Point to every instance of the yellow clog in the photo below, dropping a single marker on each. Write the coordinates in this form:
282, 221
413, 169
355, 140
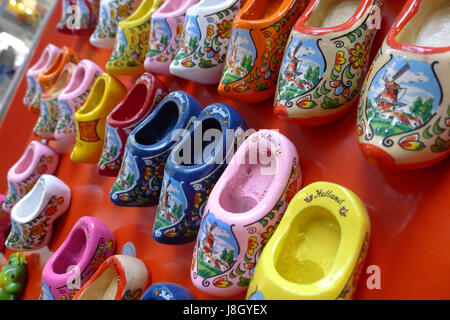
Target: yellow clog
318, 250
131, 42
90, 120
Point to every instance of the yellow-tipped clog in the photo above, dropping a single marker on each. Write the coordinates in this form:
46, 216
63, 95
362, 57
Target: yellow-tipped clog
318, 250
131, 42
90, 120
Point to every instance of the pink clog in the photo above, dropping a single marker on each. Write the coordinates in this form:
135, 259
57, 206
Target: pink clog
73, 96
5, 223
242, 212
166, 26
37, 160
88, 245
140, 101
48, 56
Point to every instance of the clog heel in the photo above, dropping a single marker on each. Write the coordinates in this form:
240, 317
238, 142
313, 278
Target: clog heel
90, 120
73, 97
326, 60
5, 223
166, 26
131, 41
47, 78
88, 11
33, 216
205, 38
256, 48
148, 146
87, 246
318, 250
45, 60
120, 277
404, 112
48, 116
191, 172
37, 160
139, 102
111, 13
242, 212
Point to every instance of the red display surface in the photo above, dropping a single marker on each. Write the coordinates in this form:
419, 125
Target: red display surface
409, 211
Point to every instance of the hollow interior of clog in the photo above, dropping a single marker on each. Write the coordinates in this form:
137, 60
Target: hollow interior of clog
72, 253
29, 205
25, 161
251, 182
308, 252
95, 97
76, 80
103, 288
430, 27
331, 13
160, 126
133, 103
208, 149
262, 9
59, 85
42, 61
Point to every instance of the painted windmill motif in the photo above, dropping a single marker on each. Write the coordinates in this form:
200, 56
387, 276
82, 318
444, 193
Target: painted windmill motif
291, 71
389, 98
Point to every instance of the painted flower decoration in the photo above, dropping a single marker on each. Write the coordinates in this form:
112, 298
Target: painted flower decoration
291, 190
97, 261
197, 199
281, 40
252, 244
143, 36
224, 29
179, 30
267, 48
358, 55
306, 102
209, 32
50, 211
268, 234
159, 170
122, 11
339, 61
37, 229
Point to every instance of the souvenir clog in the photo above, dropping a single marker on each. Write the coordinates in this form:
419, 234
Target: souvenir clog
326, 61
242, 212
13, 277
256, 48
404, 111
139, 102
166, 26
5, 223
111, 13
192, 169
48, 114
73, 97
78, 17
87, 246
167, 291
120, 277
47, 78
46, 59
33, 216
131, 41
204, 42
318, 250
37, 160
90, 120
148, 146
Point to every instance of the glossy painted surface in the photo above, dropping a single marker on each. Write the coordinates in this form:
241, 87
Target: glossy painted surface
409, 211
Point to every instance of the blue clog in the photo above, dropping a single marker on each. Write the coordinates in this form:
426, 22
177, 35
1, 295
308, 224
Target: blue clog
192, 169
148, 146
167, 291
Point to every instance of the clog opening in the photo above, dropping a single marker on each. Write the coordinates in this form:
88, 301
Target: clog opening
309, 249
132, 104
55, 65
331, 13
95, 97
171, 6
262, 9
251, 182
72, 253
430, 27
59, 85
28, 207
160, 126
144, 8
25, 163
76, 80
103, 288
213, 3
42, 62
209, 148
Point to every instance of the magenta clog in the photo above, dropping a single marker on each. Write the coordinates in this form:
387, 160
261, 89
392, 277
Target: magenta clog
5, 223
140, 101
37, 160
88, 245
242, 212
166, 26
72, 98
